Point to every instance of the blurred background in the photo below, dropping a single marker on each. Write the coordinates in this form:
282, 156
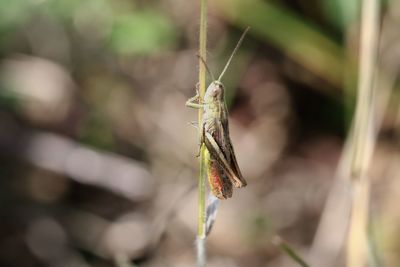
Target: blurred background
98, 160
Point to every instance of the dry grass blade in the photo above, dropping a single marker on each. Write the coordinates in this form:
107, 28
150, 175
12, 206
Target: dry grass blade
363, 136
201, 219
286, 248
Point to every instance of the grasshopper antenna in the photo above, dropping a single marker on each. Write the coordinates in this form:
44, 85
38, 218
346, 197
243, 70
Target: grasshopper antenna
233, 53
205, 64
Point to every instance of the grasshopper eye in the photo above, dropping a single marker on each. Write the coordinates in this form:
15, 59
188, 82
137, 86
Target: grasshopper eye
218, 89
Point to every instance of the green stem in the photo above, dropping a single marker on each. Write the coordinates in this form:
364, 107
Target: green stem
201, 230
286, 248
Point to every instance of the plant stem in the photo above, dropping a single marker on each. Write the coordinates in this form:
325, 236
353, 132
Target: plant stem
201, 220
286, 248
363, 136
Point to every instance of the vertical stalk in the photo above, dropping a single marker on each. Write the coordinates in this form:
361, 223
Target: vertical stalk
363, 136
201, 216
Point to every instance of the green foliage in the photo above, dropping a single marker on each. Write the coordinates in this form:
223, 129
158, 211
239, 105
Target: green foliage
341, 12
142, 33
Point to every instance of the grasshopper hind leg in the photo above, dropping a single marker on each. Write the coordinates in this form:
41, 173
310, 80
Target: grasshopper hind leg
220, 185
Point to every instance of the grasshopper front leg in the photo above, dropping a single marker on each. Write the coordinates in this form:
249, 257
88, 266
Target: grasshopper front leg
201, 138
194, 102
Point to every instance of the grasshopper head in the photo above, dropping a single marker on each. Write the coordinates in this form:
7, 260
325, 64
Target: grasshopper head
217, 90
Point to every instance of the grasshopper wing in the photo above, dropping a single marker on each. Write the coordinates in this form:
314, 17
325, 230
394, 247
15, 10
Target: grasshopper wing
228, 148
233, 161
216, 138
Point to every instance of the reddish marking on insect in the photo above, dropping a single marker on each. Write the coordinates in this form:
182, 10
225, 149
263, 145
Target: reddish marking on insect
219, 183
215, 177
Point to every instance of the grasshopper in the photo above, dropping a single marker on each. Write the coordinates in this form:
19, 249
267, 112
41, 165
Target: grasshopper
222, 168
